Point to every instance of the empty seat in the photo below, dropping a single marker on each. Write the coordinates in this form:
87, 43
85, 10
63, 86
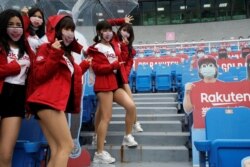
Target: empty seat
163, 79
143, 78
227, 137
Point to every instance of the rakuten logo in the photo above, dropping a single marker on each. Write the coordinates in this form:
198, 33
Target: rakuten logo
218, 99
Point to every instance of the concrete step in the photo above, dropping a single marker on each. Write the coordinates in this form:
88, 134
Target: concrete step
152, 95
149, 126
154, 99
144, 153
145, 164
150, 117
144, 138
148, 110
153, 104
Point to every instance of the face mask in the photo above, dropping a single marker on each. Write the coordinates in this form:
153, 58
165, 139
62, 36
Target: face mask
200, 54
229, 49
107, 36
208, 71
15, 33
214, 50
173, 54
36, 21
67, 37
125, 34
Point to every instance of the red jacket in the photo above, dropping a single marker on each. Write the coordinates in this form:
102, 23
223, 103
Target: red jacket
7, 69
52, 83
12, 68
105, 78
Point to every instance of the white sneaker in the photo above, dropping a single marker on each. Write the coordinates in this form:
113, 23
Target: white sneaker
103, 158
94, 140
137, 127
77, 150
129, 141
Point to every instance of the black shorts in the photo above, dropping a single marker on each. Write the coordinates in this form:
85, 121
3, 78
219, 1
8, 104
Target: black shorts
12, 100
36, 107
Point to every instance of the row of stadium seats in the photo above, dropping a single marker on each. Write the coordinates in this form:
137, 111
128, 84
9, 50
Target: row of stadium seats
188, 51
163, 78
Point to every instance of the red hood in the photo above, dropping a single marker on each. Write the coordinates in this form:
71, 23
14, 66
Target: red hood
51, 25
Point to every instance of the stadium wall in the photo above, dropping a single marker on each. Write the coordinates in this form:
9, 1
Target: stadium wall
184, 32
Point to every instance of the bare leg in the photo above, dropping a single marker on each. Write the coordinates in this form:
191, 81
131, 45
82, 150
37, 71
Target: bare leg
127, 89
123, 99
58, 136
105, 108
9, 130
49, 138
97, 117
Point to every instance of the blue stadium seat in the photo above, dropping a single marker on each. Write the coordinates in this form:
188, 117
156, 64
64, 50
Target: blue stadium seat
227, 137
143, 78
148, 52
31, 147
242, 75
132, 80
228, 77
163, 80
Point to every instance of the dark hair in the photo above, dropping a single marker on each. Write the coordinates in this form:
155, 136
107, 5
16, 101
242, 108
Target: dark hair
206, 61
5, 16
131, 38
102, 25
65, 23
41, 30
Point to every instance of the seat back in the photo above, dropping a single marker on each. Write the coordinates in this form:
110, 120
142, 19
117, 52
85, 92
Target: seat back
228, 123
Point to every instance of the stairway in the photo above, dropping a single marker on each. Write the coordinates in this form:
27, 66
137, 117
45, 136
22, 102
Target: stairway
162, 139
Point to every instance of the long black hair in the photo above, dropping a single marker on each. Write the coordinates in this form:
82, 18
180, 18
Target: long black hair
102, 25
5, 16
131, 38
41, 30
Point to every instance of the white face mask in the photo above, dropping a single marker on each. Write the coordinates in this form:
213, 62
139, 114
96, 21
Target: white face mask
67, 36
173, 54
200, 54
15, 33
107, 36
208, 70
181, 51
229, 49
214, 50
36, 21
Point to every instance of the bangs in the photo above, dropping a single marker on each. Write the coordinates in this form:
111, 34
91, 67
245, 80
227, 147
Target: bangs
66, 23
107, 27
103, 25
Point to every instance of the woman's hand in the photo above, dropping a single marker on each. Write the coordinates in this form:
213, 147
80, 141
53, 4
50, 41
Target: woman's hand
24, 11
188, 87
89, 59
128, 19
57, 44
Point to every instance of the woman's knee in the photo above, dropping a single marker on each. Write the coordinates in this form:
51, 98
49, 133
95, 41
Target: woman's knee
66, 146
131, 107
106, 119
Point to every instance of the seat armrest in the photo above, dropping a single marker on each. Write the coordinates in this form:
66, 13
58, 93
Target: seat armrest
203, 145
